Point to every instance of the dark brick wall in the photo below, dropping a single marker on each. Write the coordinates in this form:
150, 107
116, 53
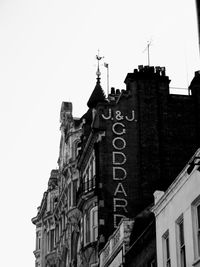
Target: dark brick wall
159, 142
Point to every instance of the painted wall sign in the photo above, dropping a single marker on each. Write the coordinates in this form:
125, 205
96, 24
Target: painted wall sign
118, 115
119, 159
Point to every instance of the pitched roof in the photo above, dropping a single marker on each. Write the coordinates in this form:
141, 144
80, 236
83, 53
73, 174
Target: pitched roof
96, 96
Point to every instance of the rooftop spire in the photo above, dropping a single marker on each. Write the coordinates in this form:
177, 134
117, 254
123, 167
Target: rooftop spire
98, 73
97, 94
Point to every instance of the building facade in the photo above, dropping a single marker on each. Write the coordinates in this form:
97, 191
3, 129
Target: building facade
177, 213
58, 217
126, 146
45, 225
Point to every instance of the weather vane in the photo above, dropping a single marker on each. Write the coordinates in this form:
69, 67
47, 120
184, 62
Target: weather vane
98, 73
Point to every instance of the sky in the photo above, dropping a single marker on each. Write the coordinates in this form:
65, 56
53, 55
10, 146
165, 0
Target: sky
48, 54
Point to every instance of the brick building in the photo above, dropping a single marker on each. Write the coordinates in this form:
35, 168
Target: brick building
125, 147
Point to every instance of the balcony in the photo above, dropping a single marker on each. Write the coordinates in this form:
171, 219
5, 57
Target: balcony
117, 244
86, 187
89, 185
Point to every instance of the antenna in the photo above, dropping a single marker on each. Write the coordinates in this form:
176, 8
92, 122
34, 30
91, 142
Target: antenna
149, 43
106, 65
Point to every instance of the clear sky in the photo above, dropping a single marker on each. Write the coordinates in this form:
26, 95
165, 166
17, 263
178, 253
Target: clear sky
47, 55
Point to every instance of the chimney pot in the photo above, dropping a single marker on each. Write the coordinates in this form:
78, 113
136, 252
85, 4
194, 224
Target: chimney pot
112, 91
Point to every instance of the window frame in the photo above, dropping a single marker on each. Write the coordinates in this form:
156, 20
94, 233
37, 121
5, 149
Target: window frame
38, 240
196, 228
90, 225
180, 234
94, 224
166, 249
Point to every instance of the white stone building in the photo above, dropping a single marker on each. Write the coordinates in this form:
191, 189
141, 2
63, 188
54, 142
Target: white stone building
177, 213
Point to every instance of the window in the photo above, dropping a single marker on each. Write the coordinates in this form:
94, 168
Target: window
166, 250
52, 242
86, 228
90, 225
69, 196
181, 242
48, 242
57, 233
196, 226
89, 175
38, 240
74, 193
94, 224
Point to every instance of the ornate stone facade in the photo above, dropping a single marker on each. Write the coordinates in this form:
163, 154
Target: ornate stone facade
57, 221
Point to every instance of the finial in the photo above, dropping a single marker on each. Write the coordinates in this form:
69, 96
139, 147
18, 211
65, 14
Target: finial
98, 73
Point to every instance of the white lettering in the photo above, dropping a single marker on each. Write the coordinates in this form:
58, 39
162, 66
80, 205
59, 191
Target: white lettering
119, 158
132, 118
109, 115
119, 173
123, 131
118, 116
120, 190
119, 143
122, 203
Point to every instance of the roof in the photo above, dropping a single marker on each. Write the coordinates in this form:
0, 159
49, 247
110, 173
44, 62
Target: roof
96, 96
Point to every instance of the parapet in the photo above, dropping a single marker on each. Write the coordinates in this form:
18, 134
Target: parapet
143, 72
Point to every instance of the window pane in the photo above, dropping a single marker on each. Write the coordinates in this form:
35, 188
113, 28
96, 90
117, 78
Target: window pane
69, 195
74, 192
166, 250
181, 244
167, 247
198, 236
94, 224
52, 239
198, 216
183, 261
181, 233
